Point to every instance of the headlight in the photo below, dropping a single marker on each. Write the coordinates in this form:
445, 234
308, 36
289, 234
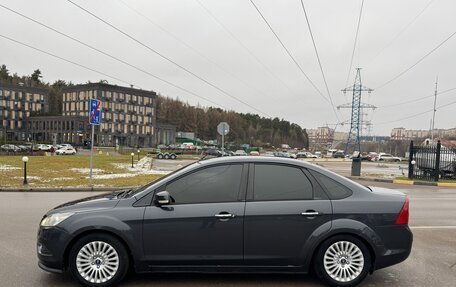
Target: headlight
54, 219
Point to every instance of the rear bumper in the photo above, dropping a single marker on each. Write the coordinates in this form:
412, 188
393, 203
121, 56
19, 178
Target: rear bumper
397, 245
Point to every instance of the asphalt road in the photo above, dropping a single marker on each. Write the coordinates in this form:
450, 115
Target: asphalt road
431, 263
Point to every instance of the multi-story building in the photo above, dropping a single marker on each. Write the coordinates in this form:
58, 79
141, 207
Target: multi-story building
402, 134
320, 138
128, 115
59, 129
17, 104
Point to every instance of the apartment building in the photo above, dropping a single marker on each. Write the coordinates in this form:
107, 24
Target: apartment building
17, 104
403, 134
128, 114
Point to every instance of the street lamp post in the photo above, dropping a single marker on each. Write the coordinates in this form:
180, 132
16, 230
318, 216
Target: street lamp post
138, 153
132, 159
25, 160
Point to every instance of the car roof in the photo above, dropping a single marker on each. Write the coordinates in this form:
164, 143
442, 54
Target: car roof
257, 159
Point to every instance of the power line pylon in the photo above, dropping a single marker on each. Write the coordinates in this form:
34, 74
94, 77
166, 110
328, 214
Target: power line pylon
356, 108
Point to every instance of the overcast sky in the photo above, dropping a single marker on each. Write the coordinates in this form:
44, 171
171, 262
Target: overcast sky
227, 43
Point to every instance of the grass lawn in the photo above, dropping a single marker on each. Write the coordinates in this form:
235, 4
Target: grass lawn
70, 171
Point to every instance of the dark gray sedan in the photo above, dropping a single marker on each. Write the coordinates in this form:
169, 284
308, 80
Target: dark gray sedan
237, 214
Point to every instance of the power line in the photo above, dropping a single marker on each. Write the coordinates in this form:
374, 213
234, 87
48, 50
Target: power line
319, 62
416, 63
417, 114
64, 59
166, 58
287, 51
403, 29
190, 47
110, 56
416, 100
356, 40
240, 43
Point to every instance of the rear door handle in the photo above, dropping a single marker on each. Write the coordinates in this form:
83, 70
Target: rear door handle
310, 213
225, 215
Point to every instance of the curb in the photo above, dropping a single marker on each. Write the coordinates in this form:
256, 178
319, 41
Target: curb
66, 189
405, 182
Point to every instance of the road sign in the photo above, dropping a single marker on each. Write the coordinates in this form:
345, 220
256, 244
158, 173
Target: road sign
223, 128
95, 112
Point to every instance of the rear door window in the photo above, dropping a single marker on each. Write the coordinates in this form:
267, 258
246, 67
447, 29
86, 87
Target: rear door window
280, 182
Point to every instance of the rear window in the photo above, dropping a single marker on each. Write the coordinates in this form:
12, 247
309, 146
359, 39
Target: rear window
334, 189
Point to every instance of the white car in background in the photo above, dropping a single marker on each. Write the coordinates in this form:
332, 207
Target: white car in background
65, 151
387, 157
64, 146
240, 152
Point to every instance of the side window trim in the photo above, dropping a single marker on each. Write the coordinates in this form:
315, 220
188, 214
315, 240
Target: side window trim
251, 192
244, 183
315, 185
250, 182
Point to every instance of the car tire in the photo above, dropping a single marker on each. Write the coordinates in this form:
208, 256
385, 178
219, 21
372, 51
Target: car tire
160, 156
166, 156
116, 257
173, 156
332, 254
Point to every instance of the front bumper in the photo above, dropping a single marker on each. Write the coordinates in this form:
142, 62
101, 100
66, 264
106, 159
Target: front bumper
51, 246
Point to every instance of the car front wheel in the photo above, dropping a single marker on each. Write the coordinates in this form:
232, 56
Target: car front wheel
98, 260
343, 260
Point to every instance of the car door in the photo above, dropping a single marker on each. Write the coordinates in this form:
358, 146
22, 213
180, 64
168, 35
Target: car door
284, 208
204, 226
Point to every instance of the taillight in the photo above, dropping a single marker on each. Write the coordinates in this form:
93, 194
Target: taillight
403, 217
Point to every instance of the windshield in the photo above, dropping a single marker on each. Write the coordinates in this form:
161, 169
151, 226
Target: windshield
135, 191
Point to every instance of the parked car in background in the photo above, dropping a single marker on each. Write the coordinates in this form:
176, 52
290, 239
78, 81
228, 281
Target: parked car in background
305, 154
339, 154
240, 152
44, 147
387, 157
65, 151
284, 154
260, 214
254, 153
372, 156
212, 152
10, 148
64, 146
23, 148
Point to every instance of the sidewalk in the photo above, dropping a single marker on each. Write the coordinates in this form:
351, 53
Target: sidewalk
404, 181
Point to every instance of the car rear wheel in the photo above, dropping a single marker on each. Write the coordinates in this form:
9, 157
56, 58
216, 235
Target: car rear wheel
343, 260
98, 260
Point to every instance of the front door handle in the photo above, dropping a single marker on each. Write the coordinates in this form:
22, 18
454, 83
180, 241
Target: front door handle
310, 213
225, 215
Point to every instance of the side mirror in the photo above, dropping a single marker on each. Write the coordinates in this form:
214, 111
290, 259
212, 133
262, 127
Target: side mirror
162, 198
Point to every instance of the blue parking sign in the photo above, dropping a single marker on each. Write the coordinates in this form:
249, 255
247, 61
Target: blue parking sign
95, 112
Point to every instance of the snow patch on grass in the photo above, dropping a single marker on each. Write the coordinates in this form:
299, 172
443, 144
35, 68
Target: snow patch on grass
141, 167
87, 170
5, 167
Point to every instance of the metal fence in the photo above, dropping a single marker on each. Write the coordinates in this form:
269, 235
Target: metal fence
432, 162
